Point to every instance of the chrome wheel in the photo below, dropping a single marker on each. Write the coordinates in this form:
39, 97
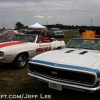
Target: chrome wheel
21, 60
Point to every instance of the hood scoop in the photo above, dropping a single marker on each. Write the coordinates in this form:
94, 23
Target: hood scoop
69, 51
83, 52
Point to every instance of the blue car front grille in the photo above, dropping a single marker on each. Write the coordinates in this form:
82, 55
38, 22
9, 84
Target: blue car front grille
63, 75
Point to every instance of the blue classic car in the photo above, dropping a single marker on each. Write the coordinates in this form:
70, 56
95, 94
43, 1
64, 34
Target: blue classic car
77, 66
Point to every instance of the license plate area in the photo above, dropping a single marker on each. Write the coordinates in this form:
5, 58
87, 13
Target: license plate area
55, 86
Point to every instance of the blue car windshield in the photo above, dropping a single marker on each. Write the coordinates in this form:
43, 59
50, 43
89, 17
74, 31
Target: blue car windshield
84, 43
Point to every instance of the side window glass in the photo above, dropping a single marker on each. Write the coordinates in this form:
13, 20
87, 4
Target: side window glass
11, 36
6, 37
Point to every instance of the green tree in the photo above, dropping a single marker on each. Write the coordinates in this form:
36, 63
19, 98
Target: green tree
19, 25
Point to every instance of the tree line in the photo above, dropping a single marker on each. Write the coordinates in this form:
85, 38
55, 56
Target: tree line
19, 25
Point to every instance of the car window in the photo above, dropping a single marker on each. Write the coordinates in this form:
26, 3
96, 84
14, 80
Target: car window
10, 36
25, 38
31, 39
56, 29
3, 33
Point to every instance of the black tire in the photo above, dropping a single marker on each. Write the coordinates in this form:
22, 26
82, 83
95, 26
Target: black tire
21, 60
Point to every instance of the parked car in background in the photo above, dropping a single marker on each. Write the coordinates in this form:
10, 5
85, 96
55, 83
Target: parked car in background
25, 46
7, 35
55, 32
77, 66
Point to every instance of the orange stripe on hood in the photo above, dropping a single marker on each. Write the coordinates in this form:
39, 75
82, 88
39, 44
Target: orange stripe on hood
5, 44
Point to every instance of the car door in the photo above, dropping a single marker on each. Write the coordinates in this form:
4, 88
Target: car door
43, 47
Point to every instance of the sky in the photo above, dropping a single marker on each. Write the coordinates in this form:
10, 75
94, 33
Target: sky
47, 12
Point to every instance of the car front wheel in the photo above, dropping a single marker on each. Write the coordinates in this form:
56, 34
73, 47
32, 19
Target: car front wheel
21, 60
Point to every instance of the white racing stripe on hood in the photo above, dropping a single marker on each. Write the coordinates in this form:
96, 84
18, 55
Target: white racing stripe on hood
72, 58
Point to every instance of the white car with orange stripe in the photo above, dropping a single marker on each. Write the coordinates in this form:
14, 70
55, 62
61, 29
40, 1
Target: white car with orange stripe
24, 47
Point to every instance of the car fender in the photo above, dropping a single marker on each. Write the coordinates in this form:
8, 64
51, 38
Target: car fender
58, 44
12, 52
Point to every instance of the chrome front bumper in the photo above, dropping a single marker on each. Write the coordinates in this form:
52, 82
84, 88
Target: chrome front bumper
66, 85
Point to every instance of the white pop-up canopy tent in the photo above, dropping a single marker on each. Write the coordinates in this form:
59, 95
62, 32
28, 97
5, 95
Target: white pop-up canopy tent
37, 26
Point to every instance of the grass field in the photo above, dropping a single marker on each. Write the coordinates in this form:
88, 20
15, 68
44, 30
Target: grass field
16, 82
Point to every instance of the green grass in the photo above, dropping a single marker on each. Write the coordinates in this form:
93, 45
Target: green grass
68, 35
17, 82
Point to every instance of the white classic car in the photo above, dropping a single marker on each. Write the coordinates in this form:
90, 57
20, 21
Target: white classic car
24, 47
77, 66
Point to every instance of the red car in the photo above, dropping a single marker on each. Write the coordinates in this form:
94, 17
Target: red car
8, 35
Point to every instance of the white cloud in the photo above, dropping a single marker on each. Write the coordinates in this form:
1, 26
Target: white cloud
48, 16
39, 16
55, 11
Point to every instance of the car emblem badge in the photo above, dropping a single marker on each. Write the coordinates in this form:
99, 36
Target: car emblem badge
54, 73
